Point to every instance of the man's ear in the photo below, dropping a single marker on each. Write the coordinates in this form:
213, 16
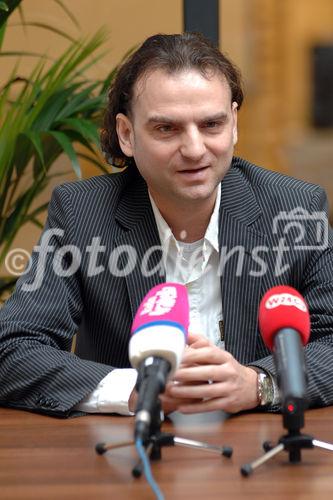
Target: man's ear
125, 134
234, 107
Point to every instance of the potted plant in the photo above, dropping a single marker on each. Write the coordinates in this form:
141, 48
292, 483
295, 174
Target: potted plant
43, 115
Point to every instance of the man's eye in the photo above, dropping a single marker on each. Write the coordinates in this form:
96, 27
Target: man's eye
212, 124
165, 128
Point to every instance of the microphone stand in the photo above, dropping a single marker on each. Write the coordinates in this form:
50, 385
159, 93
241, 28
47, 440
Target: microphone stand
293, 442
158, 439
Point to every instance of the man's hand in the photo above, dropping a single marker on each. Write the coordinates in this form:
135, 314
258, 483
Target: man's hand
169, 403
211, 379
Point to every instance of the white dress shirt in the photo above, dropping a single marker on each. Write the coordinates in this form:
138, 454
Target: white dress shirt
196, 266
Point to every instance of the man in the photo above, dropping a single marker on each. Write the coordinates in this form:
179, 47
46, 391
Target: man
184, 210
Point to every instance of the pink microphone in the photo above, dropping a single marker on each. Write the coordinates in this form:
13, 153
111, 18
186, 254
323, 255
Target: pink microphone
156, 347
160, 325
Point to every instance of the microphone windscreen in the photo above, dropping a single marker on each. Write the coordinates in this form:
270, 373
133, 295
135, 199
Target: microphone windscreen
165, 304
283, 307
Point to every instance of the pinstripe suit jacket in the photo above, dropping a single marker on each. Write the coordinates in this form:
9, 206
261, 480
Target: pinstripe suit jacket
38, 371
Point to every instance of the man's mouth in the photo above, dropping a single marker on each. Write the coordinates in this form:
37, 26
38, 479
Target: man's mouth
194, 171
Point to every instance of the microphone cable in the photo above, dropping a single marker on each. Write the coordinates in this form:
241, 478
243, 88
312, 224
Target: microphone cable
147, 470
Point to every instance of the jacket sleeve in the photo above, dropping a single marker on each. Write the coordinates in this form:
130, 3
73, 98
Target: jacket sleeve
317, 289
38, 371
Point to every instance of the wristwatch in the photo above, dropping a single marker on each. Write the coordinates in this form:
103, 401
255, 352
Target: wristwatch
265, 387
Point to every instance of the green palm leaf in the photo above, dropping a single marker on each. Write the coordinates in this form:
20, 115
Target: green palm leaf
53, 110
66, 145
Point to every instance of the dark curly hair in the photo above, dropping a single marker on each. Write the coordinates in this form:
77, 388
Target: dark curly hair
171, 53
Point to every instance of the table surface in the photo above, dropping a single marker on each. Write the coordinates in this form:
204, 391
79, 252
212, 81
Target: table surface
46, 458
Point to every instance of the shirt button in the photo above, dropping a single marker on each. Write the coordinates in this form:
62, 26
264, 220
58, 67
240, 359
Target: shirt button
221, 328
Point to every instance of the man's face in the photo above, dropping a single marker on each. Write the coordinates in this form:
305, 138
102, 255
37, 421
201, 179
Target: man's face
181, 133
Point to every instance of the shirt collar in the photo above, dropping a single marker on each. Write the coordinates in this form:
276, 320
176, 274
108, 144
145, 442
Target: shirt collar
164, 230
211, 235
212, 231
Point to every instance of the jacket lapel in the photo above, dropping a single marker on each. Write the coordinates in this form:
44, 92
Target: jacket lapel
138, 234
240, 287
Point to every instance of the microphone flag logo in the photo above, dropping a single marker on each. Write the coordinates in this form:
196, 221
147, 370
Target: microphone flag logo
162, 302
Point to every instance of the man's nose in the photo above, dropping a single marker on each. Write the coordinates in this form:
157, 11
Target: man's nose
192, 146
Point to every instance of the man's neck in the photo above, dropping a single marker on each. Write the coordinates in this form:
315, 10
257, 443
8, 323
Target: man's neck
189, 227
189, 221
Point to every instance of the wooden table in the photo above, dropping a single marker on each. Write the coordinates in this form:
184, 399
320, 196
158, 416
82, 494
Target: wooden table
46, 458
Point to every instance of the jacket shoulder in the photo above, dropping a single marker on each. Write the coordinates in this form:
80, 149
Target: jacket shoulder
107, 182
259, 177
102, 192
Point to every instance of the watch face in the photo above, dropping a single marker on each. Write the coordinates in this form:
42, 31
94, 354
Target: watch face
267, 390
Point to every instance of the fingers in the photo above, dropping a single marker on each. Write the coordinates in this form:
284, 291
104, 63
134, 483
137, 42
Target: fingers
170, 404
206, 363
201, 373
205, 355
233, 386
195, 340
199, 391
205, 406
